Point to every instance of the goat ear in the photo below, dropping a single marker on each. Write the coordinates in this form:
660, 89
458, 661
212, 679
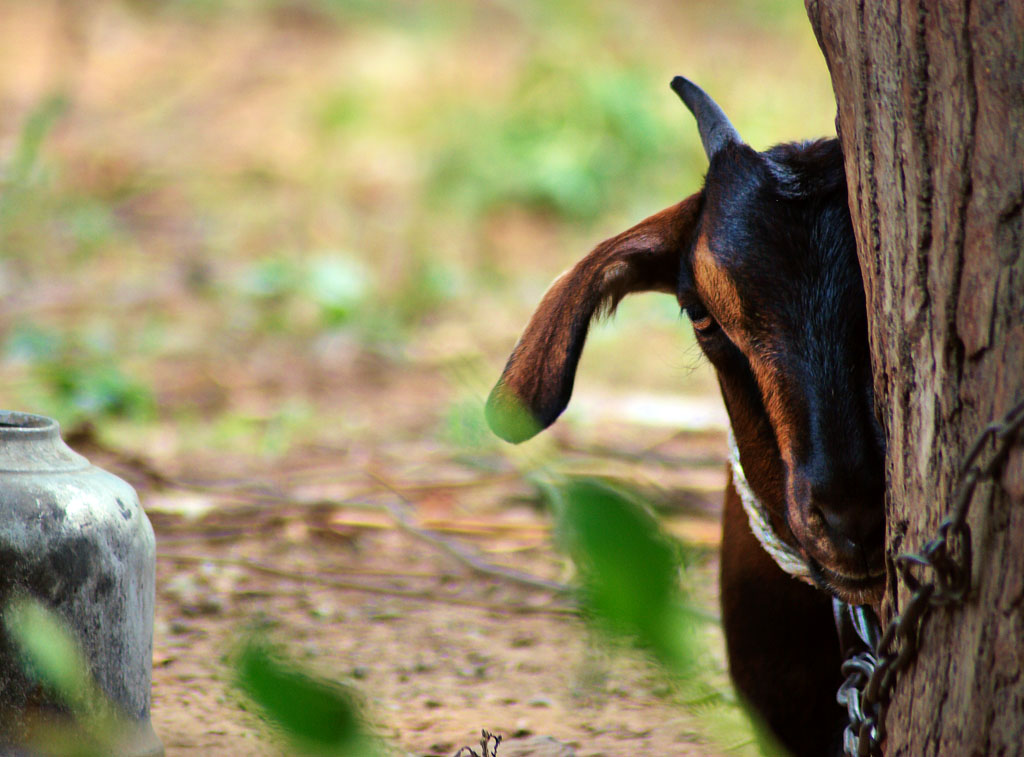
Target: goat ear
537, 381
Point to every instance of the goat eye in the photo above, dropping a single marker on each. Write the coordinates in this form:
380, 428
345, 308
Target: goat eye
700, 318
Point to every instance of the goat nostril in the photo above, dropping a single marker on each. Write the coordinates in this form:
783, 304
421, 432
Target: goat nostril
860, 526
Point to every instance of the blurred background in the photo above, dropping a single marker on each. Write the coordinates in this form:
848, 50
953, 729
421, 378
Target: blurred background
230, 223
246, 239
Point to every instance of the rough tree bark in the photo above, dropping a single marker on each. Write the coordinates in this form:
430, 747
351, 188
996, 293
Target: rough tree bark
930, 98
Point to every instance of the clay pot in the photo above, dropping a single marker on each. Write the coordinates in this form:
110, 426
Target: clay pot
74, 538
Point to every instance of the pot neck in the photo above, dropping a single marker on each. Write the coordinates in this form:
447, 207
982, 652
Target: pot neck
32, 444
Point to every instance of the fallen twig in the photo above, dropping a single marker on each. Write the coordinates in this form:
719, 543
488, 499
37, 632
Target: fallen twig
423, 596
457, 551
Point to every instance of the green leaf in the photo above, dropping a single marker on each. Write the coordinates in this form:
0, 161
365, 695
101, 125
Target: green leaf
631, 571
49, 653
318, 716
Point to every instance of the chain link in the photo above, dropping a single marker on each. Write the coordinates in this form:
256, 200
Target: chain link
871, 673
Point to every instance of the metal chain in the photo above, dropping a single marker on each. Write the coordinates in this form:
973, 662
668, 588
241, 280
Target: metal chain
871, 674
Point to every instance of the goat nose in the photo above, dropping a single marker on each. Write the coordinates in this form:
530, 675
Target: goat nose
852, 506
860, 523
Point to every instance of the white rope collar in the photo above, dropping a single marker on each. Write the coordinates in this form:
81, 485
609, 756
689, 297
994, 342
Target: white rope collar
785, 556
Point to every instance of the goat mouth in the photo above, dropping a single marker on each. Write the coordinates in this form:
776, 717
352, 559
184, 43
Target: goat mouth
863, 588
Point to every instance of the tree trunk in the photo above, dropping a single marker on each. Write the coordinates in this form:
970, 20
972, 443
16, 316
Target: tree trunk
931, 117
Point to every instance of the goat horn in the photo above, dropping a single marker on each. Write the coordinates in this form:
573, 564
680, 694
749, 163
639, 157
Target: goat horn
715, 129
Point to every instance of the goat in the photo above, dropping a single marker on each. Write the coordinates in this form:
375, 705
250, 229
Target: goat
763, 261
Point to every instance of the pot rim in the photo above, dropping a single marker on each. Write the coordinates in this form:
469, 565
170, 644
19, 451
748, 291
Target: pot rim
18, 425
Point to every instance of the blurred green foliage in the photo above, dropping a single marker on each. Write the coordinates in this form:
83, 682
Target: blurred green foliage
635, 581
51, 655
49, 652
317, 717
335, 284
76, 376
21, 170
631, 570
571, 141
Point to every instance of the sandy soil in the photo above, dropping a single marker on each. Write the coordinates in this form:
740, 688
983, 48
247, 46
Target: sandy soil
438, 651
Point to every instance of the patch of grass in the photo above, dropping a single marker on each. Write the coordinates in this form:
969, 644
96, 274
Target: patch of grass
78, 376
309, 294
565, 140
292, 293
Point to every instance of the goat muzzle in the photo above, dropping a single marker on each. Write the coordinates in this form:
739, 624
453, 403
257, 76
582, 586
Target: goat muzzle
841, 528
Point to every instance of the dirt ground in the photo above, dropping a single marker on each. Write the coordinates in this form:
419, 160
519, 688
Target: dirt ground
369, 572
